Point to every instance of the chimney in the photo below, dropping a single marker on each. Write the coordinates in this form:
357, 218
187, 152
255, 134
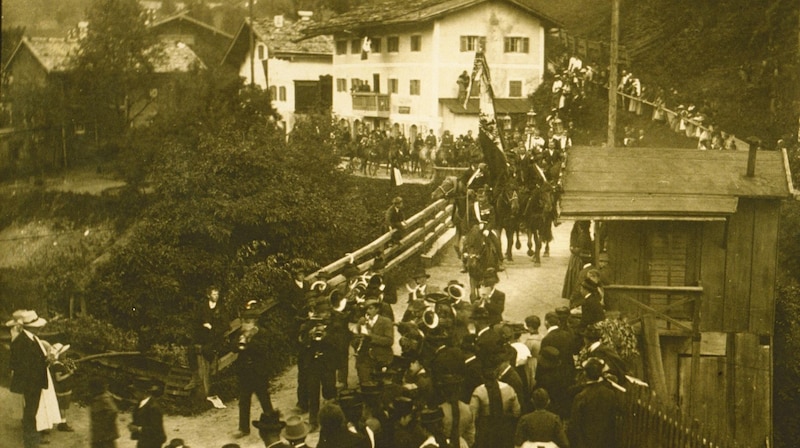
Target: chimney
305, 16
751, 156
278, 21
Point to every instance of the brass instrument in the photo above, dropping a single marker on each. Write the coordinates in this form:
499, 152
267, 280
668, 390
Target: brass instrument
430, 318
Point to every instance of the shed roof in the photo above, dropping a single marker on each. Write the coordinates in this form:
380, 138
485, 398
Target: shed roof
289, 37
184, 17
54, 54
667, 182
390, 12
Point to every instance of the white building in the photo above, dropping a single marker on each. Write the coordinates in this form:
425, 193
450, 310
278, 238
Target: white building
418, 49
296, 71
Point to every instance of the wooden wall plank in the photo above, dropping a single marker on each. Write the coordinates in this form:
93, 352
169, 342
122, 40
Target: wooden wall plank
712, 275
738, 263
752, 390
706, 406
671, 347
765, 260
624, 258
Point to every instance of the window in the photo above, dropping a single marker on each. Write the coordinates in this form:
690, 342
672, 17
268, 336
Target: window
341, 84
473, 43
416, 43
375, 45
392, 44
282, 93
273, 93
355, 46
516, 44
414, 87
515, 88
261, 52
341, 47
393, 83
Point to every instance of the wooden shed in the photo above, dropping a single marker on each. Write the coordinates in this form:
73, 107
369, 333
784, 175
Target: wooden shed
692, 253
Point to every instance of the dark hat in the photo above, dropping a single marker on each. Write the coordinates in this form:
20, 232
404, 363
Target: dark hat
350, 270
378, 263
397, 200
589, 284
593, 367
295, 429
490, 277
562, 311
431, 415
349, 398
420, 272
269, 421
480, 314
549, 357
370, 388
375, 281
371, 302
322, 275
401, 406
151, 386
592, 332
175, 443
540, 398
434, 294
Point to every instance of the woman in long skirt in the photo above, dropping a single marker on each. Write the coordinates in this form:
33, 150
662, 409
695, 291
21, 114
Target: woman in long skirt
580, 247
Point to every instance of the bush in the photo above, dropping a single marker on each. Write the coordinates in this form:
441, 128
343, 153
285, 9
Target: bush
91, 335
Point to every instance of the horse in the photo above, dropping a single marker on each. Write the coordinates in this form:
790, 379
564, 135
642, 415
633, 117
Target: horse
506, 210
538, 211
480, 255
453, 189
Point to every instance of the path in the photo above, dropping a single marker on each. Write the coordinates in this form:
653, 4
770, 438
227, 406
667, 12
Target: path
529, 290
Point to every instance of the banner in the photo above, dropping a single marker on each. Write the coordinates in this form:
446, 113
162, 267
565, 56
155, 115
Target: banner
366, 47
488, 134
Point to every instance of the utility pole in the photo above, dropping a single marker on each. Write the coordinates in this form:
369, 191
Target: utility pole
612, 75
252, 48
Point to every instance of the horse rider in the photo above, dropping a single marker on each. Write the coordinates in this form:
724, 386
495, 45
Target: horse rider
483, 214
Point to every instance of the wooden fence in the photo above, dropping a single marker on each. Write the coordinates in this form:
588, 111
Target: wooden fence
644, 422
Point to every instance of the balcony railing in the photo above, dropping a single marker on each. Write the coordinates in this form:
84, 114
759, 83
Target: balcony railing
373, 104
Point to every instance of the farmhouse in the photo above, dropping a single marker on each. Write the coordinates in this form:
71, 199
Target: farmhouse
692, 252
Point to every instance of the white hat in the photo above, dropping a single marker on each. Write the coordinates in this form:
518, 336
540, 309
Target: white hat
26, 318
58, 349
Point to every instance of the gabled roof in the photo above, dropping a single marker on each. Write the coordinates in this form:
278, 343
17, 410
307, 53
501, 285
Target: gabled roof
392, 12
668, 183
54, 54
177, 58
287, 39
185, 18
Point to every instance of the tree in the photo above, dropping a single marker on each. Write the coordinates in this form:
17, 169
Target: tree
114, 62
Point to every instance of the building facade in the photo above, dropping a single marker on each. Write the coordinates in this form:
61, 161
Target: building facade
296, 71
401, 68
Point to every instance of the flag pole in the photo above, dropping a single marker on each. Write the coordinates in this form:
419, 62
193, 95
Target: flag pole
612, 75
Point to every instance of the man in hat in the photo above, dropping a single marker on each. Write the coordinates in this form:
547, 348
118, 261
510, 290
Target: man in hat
28, 364
295, 432
594, 410
269, 427
592, 307
596, 348
102, 415
147, 421
490, 297
488, 341
252, 369
556, 378
560, 338
406, 432
395, 220
298, 295
374, 342
317, 355
418, 285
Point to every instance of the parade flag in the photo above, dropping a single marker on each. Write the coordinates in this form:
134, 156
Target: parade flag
366, 47
488, 134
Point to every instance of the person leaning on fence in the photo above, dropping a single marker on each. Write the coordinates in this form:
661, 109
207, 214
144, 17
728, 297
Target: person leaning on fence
394, 219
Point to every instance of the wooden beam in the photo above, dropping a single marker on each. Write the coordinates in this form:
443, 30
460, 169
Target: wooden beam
656, 289
652, 356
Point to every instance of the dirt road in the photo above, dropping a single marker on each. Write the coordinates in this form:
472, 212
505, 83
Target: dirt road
529, 290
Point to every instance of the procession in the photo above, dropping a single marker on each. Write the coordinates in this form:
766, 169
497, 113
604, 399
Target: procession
396, 226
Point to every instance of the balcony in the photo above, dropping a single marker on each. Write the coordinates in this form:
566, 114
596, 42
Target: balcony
372, 104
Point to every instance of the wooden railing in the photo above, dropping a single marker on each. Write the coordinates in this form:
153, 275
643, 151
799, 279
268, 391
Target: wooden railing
645, 422
377, 103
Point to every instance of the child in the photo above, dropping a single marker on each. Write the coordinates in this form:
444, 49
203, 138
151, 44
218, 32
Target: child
103, 413
62, 369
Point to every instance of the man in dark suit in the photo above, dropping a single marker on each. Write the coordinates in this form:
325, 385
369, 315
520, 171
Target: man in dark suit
491, 298
558, 337
395, 220
210, 328
373, 342
29, 369
252, 369
594, 410
147, 422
